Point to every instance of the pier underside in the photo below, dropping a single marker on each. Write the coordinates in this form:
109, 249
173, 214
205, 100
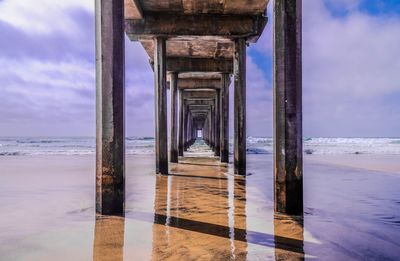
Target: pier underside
196, 50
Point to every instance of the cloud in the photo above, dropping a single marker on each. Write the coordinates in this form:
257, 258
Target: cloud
48, 71
350, 72
350, 68
43, 16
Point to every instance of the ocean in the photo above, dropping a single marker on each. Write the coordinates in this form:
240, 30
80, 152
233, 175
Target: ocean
15, 146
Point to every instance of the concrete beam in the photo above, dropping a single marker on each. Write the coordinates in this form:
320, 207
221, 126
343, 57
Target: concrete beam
169, 25
199, 107
288, 137
199, 65
199, 102
199, 84
190, 94
110, 135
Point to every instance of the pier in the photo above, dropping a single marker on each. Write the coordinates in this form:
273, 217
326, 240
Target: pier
197, 50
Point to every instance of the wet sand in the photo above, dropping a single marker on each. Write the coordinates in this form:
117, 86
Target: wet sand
201, 211
382, 163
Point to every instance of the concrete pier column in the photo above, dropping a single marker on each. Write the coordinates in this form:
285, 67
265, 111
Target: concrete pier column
160, 80
185, 127
174, 118
240, 107
181, 116
224, 108
205, 131
217, 125
110, 136
212, 121
288, 147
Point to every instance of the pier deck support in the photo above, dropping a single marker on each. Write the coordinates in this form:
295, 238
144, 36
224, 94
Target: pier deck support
217, 125
181, 114
174, 118
288, 151
185, 128
160, 75
110, 177
212, 128
240, 106
224, 105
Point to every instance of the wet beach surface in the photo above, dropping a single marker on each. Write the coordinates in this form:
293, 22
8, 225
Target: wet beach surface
201, 211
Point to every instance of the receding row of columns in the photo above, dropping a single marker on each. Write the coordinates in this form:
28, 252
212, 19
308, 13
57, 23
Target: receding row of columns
110, 146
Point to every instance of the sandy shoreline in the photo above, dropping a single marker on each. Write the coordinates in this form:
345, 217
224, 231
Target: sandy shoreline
350, 213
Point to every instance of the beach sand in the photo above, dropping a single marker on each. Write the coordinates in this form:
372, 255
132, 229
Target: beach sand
201, 211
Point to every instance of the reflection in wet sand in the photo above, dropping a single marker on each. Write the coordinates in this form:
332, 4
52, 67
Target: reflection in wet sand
350, 214
191, 213
289, 237
108, 238
200, 214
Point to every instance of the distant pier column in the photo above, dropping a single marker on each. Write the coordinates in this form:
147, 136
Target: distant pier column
185, 128
240, 107
217, 125
160, 75
181, 115
110, 136
224, 105
212, 113
288, 147
174, 118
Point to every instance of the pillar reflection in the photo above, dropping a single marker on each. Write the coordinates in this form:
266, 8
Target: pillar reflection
240, 218
289, 237
199, 213
109, 238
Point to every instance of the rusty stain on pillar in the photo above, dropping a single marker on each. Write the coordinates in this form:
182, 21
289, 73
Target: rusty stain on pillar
288, 147
174, 118
240, 106
224, 105
160, 80
110, 136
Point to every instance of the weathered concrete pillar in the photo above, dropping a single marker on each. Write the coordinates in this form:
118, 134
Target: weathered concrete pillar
217, 125
181, 129
205, 130
288, 147
160, 79
174, 118
110, 136
240, 107
212, 120
185, 127
224, 105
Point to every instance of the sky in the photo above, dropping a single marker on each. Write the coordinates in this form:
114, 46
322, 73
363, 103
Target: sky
351, 71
